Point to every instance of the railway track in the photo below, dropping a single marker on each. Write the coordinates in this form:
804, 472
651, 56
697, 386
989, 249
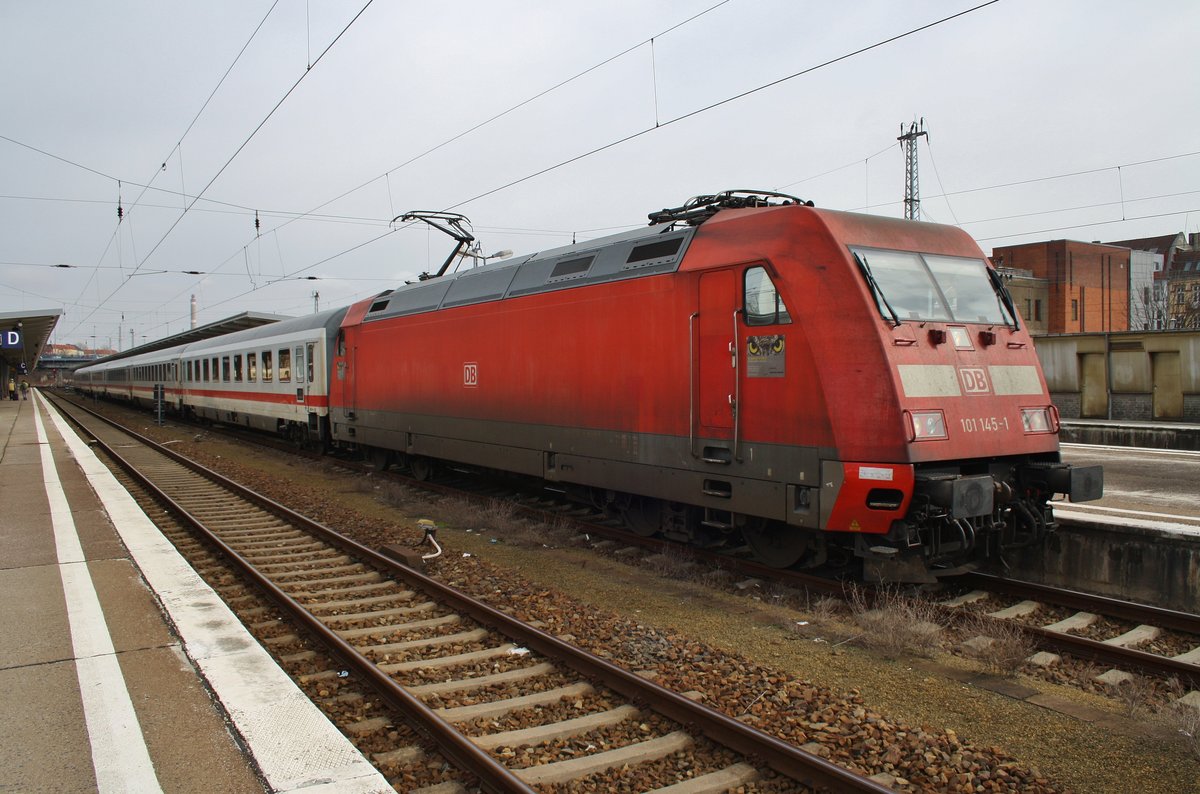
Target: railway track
509, 705
1122, 635
1119, 634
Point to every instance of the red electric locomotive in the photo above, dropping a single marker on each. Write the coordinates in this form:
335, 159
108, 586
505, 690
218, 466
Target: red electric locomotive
823, 385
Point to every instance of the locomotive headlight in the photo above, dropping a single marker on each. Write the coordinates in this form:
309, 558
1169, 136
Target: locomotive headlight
1037, 420
927, 425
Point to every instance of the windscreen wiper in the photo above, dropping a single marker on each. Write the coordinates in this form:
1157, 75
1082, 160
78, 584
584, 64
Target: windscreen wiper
1003, 297
866, 271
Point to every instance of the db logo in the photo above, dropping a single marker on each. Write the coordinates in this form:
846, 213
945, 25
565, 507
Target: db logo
974, 380
471, 374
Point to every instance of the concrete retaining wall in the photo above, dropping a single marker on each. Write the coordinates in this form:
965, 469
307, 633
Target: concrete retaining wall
1119, 434
1151, 566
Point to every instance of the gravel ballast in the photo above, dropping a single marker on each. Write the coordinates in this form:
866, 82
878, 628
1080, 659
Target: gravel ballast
936, 724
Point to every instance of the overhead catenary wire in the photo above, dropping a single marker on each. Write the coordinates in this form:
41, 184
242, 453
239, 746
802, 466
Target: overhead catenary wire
511, 109
197, 207
1088, 225
238, 151
727, 100
635, 135
496, 117
938, 176
159, 169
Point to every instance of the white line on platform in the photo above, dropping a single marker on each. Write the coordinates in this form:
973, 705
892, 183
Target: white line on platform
1118, 521
1103, 509
119, 755
296, 747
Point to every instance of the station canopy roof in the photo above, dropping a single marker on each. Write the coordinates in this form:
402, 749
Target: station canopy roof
35, 328
238, 322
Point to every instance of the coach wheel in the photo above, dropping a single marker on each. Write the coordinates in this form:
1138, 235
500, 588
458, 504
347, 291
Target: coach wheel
643, 517
420, 468
776, 545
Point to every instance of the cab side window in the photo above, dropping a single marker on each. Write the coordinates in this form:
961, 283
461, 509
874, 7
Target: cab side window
763, 304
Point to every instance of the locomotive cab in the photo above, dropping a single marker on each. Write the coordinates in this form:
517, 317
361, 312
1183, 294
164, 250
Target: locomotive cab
979, 428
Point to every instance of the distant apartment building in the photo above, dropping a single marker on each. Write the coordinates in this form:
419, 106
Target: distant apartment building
1183, 290
1087, 284
1150, 264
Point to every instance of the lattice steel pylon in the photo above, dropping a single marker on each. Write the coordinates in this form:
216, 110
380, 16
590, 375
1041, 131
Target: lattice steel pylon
912, 187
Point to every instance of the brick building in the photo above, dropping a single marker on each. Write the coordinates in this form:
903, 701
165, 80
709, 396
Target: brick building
1031, 296
1087, 283
1183, 290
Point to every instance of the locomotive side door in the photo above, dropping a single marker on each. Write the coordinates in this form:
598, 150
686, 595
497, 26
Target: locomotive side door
717, 354
343, 377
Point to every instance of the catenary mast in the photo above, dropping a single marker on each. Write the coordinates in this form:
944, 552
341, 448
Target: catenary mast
912, 188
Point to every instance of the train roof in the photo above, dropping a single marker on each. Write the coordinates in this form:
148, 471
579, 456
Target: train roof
237, 322
274, 328
645, 251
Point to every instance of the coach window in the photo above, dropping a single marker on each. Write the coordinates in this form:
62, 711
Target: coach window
237, 368
251, 367
216, 369
285, 365
205, 368
299, 363
225, 368
311, 351
764, 306
266, 366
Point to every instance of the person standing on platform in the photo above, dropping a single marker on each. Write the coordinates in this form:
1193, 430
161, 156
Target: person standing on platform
12, 389
24, 390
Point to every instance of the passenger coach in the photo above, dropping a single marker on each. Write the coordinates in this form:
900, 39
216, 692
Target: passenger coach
274, 377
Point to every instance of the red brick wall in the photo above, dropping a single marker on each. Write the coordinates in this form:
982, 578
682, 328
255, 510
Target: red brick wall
1095, 277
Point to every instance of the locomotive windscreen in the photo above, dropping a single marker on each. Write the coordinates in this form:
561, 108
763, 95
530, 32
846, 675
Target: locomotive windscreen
933, 287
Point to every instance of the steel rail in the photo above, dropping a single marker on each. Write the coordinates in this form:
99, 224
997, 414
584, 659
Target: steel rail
1116, 655
1112, 607
783, 757
454, 744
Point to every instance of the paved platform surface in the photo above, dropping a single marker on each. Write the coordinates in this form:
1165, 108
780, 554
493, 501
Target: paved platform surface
120, 669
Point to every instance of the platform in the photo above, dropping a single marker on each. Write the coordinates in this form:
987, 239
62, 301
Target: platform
121, 670
1130, 433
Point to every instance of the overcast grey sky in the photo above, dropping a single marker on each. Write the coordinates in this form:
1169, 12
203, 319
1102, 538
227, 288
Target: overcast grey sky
1012, 94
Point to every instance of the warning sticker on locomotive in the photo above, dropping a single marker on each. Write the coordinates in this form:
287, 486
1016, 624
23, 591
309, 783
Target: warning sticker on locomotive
764, 356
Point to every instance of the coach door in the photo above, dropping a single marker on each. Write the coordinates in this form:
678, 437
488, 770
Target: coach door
716, 362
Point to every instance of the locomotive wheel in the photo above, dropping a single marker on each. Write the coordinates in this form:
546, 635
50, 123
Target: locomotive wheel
420, 468
379, 458
643, 517
776, 545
